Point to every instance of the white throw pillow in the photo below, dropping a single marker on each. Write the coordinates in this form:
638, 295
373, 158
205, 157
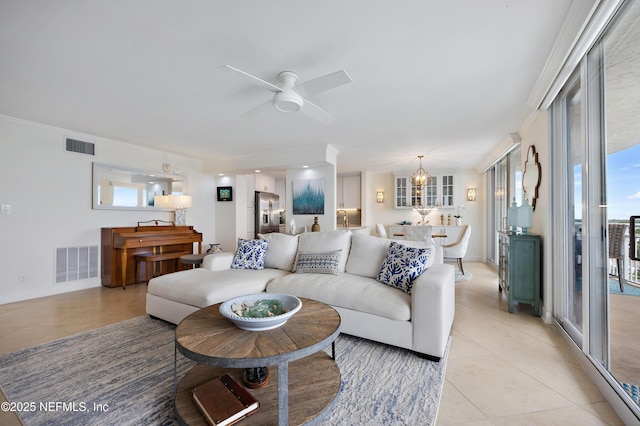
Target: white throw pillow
321, 242
366, 255
402, 265
281, 251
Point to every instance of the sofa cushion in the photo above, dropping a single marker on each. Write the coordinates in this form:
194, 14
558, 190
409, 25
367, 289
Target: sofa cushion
347, 291
403, 264
250, 254
319, 242
281, 250
201, 287
366, 255
318, 263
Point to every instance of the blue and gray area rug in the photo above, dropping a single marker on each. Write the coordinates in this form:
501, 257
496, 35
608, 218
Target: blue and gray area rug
460, 277
629, 290
122, 374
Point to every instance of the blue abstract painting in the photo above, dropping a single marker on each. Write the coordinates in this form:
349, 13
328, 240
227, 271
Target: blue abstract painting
308, 196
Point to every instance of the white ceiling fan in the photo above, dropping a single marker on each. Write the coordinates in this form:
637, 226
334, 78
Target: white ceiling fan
292, 97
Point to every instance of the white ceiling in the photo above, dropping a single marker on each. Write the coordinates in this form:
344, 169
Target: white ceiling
447, 79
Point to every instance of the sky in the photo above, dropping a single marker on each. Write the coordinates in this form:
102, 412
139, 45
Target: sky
623, 183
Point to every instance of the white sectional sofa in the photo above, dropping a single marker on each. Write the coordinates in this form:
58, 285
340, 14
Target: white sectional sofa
419, 321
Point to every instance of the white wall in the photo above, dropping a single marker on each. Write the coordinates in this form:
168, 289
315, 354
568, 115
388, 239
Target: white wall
538, 133
50, 193
225, 214
386, 214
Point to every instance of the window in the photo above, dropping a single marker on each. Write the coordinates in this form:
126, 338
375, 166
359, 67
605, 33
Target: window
125, 196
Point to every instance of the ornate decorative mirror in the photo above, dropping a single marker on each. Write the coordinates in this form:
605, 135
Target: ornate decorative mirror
531, 176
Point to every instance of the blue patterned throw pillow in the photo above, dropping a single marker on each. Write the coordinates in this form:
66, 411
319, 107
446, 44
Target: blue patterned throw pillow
250, 254
402, 265
318, 263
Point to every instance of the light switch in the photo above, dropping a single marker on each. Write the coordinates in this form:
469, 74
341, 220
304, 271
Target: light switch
6, 209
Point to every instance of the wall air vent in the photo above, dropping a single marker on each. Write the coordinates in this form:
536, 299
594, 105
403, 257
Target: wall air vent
74, 145
76, 263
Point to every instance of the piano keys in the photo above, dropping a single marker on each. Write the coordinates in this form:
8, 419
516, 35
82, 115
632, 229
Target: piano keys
121, 245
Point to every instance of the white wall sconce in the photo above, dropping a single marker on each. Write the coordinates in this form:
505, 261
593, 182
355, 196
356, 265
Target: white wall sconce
380, 196
471, 194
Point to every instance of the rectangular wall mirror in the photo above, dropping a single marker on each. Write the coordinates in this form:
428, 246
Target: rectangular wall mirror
121, 188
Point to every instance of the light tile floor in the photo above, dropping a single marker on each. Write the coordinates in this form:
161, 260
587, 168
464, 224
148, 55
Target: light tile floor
506, 369
502, 368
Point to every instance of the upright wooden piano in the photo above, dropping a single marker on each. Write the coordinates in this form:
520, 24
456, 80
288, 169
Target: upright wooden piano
121, 245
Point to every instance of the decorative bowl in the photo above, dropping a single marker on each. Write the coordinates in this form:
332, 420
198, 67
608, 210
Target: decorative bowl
290, 304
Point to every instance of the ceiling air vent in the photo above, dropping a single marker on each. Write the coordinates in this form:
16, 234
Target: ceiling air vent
74, 145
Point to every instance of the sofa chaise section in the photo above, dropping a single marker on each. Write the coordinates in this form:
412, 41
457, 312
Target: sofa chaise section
172, 297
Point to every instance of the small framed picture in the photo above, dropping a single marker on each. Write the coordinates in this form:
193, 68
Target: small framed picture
225, 193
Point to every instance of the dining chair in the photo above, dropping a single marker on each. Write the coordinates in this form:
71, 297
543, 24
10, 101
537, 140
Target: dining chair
382, 232
418, 233
617, 236
458, 249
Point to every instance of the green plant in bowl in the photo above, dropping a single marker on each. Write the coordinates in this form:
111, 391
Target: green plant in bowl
261, 309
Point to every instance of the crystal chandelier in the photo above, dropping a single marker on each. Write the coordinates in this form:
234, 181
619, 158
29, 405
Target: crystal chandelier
419, 178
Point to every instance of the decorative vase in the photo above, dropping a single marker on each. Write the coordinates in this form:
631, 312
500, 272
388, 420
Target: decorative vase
458, 221
292, 227
214, 248
316, 226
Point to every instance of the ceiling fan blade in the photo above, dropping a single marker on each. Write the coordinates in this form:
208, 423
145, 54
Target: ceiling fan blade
265, 106
252, 78
314, 111
322, 84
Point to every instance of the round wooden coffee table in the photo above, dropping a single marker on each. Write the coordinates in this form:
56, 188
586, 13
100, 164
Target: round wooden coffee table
295, 349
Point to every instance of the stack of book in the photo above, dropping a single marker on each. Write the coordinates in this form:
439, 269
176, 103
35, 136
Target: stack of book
224, 401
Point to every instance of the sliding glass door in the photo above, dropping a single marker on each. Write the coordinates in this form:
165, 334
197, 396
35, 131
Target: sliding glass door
570, 108
617, 62
596, 149
504, 181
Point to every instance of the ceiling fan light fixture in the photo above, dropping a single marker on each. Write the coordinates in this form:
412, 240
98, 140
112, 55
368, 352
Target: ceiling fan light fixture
292, 97
287, 101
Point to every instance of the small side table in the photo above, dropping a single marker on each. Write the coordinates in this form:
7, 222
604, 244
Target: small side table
189, 260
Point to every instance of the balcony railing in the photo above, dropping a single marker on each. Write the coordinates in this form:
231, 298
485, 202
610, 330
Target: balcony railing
632, 267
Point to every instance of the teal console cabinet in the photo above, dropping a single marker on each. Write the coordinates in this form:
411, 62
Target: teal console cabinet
519, 269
